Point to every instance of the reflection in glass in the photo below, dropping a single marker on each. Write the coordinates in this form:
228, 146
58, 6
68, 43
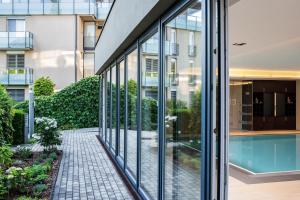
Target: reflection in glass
183, 105
122, 106
132, 112
103, 103
114, 106
149, 111
108, 102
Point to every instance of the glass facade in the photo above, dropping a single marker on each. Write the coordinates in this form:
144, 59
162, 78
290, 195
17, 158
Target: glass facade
161, 105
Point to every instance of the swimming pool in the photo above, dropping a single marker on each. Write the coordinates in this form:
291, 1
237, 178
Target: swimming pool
265, 153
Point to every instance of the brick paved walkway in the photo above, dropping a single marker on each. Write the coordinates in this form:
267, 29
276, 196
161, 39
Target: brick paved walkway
86, 171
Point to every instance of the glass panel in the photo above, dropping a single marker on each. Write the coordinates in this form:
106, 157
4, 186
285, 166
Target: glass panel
114, 106
82, 6
264, 120
51, 6
66, 7
36, 7
122, 106
100, 106
21, 7
108, 101
6, 7
104, 107
132, 112
149, 123
182, 110
89, 35
88, 63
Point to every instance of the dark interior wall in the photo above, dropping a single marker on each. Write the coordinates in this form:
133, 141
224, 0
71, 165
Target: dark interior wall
274, 105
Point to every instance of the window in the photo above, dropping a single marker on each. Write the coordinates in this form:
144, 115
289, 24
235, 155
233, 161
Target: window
192, 76
132, 93
182, 134
151, 67
149, 123
108, 111
89, 35
113, 106
15, 61
16, 25
17, 94
122, 108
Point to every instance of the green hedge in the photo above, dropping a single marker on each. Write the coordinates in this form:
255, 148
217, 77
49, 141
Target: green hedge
43, 86
6, 117
76, 106
18, 124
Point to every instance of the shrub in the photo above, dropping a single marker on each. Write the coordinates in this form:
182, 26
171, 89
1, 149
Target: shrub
23, 153
43, 86
3, 186
76, 106
6, 117
18, 124
46, 129
5, 155
39, 189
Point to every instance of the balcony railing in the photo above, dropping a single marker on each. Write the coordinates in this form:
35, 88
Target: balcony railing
16, 41
188, 22
150, 79
16, 76
57, 7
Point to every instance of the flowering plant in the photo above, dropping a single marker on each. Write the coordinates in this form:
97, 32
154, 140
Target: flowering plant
47, 133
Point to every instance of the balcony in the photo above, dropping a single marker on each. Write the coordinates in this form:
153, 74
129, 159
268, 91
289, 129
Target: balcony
150, 79
14, 76
16, 41
59, 7
186, 22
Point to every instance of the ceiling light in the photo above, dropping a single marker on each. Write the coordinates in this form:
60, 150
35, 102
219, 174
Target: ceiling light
239, 44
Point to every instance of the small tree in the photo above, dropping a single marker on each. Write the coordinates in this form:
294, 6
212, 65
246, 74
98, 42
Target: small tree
48, 135
6, 117
43, 86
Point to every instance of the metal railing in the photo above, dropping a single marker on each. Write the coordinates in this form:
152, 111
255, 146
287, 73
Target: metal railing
186, 21
99, 9
16, 76
16, 40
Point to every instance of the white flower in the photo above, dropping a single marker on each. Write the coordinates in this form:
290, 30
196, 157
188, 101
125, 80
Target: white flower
46, 128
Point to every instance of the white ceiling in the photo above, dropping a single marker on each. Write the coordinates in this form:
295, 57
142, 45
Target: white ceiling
271, 29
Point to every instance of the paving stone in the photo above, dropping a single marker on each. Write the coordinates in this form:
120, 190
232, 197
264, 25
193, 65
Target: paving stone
86, 172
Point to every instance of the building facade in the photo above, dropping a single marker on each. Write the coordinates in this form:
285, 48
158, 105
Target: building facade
48, 38
156, 98
200, 99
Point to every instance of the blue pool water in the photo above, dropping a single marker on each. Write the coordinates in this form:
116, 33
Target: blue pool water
265, 153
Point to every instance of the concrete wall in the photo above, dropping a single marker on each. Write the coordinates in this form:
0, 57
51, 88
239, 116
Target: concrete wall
124, 24
54, 44
3, 25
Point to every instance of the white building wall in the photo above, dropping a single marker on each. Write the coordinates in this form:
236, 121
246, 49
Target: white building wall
53, 52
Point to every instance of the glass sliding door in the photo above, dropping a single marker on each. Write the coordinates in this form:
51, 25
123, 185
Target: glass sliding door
182, 91
132, 90
149, 115
108, 111
122, 109
114, 106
